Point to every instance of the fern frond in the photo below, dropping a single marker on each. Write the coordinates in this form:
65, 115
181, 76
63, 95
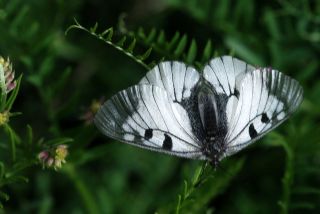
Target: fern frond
178, 47
203, 189
107, 37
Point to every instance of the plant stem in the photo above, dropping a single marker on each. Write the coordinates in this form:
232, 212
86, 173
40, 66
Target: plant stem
85, 194
287, 180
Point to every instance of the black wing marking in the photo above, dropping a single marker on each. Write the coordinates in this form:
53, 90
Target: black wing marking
145, 116
267, 98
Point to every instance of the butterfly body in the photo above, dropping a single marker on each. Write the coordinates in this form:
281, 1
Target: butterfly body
210, 115
213, 120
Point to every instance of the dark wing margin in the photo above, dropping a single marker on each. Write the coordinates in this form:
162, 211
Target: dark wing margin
267, 98
145, 116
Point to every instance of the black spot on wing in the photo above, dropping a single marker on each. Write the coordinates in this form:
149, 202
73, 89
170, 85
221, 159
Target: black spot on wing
265, 118
148, 134
167, 143
252, 131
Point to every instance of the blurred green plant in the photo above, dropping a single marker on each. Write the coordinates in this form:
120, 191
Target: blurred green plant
23, 150
280, 174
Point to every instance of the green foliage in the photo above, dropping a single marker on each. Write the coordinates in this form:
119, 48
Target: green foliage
64, 73
121, 44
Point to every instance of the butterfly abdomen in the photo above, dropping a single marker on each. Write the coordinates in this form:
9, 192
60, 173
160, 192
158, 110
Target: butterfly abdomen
213, 119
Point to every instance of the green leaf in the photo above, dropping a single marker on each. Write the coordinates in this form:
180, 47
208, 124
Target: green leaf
192, 52
13, 140
197, 175
178, 205
11, 178
173, 41
58, 141
132, 45
140, 33
207, 53
14, 114
185, 190
121, 41
151, 36
161, 38
181, 46
306, 190
4, 196
2, 169
145, 55
107, 34
94, 28
13, 95
29, 135
152, 64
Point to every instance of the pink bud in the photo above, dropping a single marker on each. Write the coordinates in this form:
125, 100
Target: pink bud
50, 162
11, 86
43, 156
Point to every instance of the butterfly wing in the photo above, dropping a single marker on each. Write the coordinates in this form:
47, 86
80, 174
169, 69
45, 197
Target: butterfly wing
224, 75
151, 114
267, 98
182, 83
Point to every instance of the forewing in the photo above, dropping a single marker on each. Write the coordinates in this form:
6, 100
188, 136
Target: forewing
178, 79
181, 82
267, 98
146, 116
224, 74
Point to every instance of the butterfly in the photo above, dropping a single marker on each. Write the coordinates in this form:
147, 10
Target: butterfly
209, 115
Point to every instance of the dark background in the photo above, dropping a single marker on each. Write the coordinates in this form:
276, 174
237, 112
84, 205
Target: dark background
63, 74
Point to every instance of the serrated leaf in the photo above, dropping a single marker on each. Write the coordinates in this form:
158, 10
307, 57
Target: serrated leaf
145, 55
173, 41
192, 52
13, 95
181, 46
132, 45
121, 41
207, 52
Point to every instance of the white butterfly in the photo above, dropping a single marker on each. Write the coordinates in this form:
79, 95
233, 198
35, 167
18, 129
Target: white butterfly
209, 115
